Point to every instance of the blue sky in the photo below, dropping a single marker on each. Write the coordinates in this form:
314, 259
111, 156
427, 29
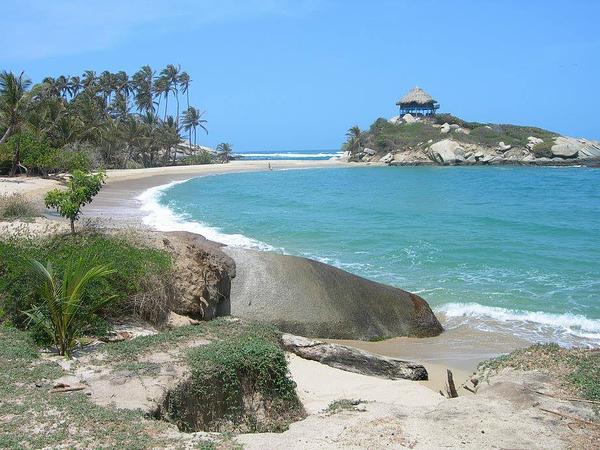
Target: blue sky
296, 74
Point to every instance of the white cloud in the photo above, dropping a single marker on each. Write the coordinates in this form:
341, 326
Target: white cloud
40, 28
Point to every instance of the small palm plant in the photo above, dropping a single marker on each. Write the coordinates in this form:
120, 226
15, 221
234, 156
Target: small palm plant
65, 310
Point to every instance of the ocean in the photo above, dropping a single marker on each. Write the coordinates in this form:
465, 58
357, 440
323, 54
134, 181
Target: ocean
511, 250
310, 155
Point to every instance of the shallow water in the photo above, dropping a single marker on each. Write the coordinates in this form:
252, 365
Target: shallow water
508, 249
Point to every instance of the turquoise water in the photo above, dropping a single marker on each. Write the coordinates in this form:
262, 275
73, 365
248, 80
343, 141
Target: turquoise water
508, 249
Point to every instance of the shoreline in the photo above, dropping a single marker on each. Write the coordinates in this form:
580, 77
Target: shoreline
117, 205
460, 350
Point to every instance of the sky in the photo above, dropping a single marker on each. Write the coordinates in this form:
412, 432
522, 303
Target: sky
296, 74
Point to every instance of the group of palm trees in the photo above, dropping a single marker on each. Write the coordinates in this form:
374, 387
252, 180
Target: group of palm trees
123, 120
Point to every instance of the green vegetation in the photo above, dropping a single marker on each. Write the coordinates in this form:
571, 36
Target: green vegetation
384, 136
106, 120
34, 418
138, 271
81, 189
225, 151
233, 379
343, 404
543, 149
64, 310
16, 206
579, 370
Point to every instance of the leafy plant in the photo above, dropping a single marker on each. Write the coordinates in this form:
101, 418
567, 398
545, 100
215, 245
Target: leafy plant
140, 272
81, 188
65, 310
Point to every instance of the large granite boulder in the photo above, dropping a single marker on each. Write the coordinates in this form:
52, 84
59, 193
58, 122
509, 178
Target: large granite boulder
565, 147
568, 147
352, 359
447, 152
309, 298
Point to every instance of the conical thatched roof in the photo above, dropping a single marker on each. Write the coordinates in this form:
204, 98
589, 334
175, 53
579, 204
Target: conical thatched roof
416, 96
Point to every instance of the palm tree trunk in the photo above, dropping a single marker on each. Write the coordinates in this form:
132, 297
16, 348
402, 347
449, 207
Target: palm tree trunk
166, 104
187, 94
177, 99
16, 160
6, 135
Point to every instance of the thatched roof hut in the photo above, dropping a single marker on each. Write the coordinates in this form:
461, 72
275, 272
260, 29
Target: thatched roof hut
418, 102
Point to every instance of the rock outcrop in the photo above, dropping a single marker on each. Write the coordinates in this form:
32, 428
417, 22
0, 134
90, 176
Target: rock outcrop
447, 152
202, 273
352, 359
309, 298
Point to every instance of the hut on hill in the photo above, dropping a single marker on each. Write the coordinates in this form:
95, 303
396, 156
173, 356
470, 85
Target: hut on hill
418, 103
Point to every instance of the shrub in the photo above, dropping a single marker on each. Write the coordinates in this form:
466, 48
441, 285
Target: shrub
543, 149
17, 206
64, 310
81, 188
136, 268
202, 157
234, 379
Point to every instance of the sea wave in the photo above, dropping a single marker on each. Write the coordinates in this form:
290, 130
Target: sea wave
567, 329
291, 155
162, 218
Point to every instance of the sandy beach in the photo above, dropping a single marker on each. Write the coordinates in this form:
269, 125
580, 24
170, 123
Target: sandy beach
116, 206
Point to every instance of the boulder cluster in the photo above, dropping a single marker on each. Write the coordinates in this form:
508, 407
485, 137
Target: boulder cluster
450, 150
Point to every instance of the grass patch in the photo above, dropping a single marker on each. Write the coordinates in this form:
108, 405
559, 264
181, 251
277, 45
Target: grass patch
343, 404
17, 207
137, 269
33, 418
578, 369
240, 383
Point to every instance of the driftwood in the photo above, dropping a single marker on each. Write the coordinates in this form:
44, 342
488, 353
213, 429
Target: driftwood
450, 387
67, 389
567, 399
567, 416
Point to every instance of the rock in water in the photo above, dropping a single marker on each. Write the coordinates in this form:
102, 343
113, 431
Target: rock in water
309, 298
353, 359
566, 147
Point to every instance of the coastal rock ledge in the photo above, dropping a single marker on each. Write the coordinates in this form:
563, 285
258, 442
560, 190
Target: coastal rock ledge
309, 298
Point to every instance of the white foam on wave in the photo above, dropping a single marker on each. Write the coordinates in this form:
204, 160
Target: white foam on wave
162, 218
568, 329
291, 155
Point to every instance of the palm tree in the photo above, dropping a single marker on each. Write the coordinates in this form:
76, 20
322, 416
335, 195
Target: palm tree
184, 82
225, 151
89, 81
192, 118
354, 139
144, 89
170, 74
14, 103
65, 311
75, 85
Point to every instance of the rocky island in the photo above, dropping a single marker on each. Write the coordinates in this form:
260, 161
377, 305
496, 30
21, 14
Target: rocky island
424, 137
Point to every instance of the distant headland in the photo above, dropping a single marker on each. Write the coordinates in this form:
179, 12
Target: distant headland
421, 136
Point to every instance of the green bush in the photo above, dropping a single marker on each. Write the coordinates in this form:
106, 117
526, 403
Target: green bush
202, 157
543, 149
17, 206
224, 374
82, 187
64, 310
135, 267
